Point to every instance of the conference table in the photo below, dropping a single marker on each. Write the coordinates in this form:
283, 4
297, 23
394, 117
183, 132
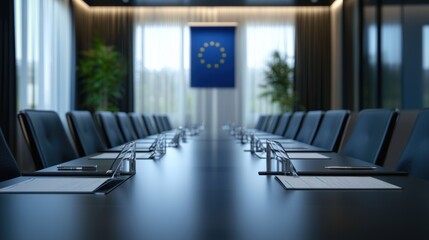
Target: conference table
209, 188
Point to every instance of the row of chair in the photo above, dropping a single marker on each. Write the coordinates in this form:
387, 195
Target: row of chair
49, 143
368, 139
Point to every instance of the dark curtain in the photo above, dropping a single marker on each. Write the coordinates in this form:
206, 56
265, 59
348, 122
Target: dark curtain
115, 27
8, 73
313, 58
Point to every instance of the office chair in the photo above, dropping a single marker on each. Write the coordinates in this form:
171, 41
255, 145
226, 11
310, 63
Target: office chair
139, 127
110, 128
273, 123
331, 130
309, 126
370, 135
149, 126
126, 126
159, 123
85, 134
414, 158
46, 138
261, 122
266, 123
281, 127
8, 166
294, 124
167, 123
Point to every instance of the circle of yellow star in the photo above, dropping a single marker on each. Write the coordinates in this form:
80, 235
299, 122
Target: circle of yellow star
210, 64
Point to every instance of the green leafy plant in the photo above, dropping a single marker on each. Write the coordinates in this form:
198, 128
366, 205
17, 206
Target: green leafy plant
102, 70
278, 86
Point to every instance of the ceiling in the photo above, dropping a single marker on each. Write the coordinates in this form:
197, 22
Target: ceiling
210, 3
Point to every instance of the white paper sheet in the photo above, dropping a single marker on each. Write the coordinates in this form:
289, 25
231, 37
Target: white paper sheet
113, 155
109, 156
55, 185
334, 182
307, 155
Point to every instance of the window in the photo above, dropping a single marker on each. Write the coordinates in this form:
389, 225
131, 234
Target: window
44, 54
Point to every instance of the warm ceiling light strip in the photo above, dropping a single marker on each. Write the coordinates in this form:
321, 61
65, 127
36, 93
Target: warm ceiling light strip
213, 24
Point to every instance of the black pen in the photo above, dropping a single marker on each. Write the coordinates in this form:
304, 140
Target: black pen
351, 167
79, 168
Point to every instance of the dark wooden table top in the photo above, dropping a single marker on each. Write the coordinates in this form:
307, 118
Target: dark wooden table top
209, 188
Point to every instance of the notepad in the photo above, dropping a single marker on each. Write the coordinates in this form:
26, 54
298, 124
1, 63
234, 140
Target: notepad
334, 182
56, 185
307, 155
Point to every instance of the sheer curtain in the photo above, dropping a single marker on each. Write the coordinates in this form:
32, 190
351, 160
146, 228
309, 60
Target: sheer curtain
161, 76
44, 54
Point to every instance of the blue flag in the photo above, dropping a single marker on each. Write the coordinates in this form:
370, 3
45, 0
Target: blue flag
212, 56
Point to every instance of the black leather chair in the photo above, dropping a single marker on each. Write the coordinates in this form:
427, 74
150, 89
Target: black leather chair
415, 157
260, 123
167, 123
149, 126
266, 124
294, 125
139, 127
371, 135
331, 130
159, 123
309, 126
126, 126
46, 138
281, 127
8, 166
274, 122
110, 128
85, 134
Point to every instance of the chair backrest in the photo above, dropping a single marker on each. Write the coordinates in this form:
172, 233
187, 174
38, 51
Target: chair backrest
414, 159
331, 130
126, 127
8, 166
46, 138
281, 127
309, 126
139, 127
261, 120
149, 126
85, 134
110, 128
167, 123
370, 135
273, 123
294, 124
158, 123
266, 123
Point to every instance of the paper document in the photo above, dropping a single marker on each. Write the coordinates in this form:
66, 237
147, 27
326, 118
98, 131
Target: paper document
55, 185
307, 155
113, 155
334, 182
107, 156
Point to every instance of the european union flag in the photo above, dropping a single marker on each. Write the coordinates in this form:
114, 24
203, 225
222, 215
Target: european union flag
212, 56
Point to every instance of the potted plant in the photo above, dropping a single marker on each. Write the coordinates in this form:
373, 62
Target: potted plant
101, 70
278, 84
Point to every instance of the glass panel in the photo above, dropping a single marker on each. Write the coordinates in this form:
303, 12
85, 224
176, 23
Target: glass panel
425, 66
369, 87
391, 56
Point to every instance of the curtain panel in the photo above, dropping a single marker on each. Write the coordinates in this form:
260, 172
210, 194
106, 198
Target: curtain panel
8, 73
313, 58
